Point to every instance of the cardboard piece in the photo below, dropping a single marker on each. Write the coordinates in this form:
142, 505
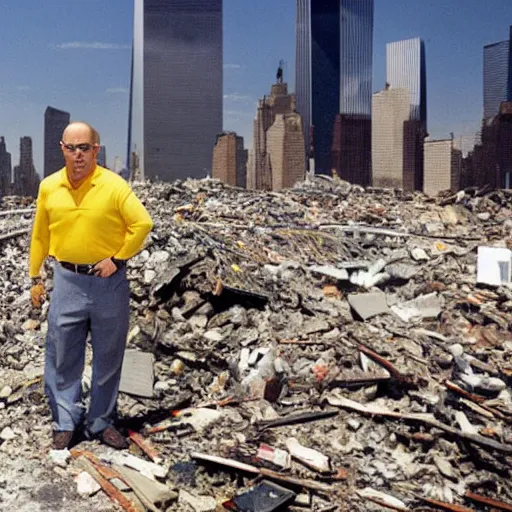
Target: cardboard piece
494, 266
137, 374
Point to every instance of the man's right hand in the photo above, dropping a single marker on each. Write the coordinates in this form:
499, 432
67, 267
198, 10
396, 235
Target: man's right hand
37, 294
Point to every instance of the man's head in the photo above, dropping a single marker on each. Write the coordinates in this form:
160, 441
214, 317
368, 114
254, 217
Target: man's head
80, 145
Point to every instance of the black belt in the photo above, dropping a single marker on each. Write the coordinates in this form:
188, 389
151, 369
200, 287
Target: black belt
88, 269
78, 269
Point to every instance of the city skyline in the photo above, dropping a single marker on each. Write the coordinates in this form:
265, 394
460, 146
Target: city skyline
88, 75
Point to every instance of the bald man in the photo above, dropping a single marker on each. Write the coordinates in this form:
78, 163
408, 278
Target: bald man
90, 222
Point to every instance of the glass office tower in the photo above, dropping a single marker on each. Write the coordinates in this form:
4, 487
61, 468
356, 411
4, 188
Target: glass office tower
497, 76
176, 88
406, 69
55, 121
334, 41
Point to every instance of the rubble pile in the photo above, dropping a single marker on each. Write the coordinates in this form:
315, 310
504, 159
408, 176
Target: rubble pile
326, 348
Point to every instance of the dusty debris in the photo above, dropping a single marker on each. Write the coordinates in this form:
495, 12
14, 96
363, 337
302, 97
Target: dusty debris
146, 446
276, 456
60, 457
148, 469
306, 484
418, 418
381, 498
7, 434
155, 496
490, 502
86, 485
126, 503
368, 305
249, 308
198, 503
311, 458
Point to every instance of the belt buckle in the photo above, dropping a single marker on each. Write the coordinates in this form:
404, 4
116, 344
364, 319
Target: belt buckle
90, 269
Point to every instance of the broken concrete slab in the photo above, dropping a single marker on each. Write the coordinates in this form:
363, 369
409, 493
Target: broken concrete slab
148, 469
86, 485
330, 271
368, 305
197, 502
154, 495
423, 307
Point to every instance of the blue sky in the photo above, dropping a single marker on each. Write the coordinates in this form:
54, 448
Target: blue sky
75, 55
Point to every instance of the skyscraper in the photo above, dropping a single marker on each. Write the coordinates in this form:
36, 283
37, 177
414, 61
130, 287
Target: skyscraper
497, 76
443, 166
491, 161
285, 146
102, 156
406, 68
391, 109
398, 133
176, 87
334, 40
5, 169
55, 121
25, 179
259, 172
230, 160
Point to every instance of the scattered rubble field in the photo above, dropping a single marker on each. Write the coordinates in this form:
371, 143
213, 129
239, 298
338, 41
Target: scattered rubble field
326, 348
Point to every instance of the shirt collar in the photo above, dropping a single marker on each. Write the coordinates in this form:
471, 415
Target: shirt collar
92, 178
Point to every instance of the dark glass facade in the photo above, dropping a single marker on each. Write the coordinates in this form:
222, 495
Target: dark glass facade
497, 76
176, 90
334, 76
5, 169
55, 121
325, 77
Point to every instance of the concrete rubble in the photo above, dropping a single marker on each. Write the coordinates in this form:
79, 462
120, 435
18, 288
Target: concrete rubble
329, 340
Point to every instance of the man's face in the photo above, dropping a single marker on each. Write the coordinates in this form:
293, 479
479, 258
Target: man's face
79, 151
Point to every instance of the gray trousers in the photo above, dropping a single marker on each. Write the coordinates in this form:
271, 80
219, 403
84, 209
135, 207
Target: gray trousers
79, 304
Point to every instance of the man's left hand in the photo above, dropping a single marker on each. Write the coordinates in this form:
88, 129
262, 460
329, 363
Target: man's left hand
105, 268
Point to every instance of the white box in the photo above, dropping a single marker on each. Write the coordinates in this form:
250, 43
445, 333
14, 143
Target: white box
494, 266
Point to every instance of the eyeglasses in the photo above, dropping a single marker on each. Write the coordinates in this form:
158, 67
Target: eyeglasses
84, 147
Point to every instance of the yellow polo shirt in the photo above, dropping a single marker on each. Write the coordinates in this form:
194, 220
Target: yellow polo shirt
100, 219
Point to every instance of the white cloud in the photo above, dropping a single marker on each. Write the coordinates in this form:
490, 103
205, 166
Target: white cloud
23, 87
117, 90
81, 45
237, 97
233, 66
